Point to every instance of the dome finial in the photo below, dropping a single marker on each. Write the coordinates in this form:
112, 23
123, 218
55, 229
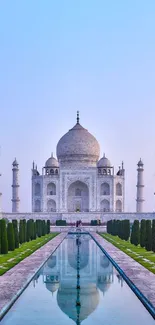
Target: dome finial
78, 119
51, 154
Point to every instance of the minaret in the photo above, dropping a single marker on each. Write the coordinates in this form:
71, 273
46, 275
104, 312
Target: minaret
15, 187
140, 187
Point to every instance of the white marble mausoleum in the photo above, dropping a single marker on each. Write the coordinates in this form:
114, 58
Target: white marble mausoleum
78, 180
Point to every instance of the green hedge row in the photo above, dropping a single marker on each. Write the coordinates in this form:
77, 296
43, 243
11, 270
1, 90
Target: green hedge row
13, 234
95, 222
140, 233
61, 223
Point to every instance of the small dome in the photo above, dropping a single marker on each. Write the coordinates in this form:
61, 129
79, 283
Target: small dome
140, 163
52, 162
15, 163
52, 287
104, 162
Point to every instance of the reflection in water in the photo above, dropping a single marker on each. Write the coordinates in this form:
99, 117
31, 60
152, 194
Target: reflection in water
77, 276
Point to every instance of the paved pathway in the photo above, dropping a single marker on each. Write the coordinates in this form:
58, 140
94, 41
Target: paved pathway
15, 279
142, 278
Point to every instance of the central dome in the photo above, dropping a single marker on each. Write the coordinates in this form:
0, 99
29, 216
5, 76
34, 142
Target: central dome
78, 145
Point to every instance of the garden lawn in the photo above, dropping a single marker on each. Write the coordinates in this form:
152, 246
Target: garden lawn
9, 260
139, 254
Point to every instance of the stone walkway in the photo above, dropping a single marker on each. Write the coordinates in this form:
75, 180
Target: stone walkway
12, 282
143, 279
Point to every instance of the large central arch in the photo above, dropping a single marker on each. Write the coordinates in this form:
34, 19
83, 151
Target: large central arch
78, 197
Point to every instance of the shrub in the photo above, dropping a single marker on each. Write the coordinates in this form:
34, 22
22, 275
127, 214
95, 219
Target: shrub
148, 239
48, 226
135, 233
4, 240
60, 222
16, 234
126, 228
24, 230
153, 235
11, 237
142, 232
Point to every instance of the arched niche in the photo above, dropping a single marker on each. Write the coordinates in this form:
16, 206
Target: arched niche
105, 205
37, 206
37, 189
118, 206
78, 197
51, 189
105, 189
118, 189
51, 206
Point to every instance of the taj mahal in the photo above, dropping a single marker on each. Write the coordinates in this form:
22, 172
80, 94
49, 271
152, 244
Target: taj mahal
78, 180
79, 183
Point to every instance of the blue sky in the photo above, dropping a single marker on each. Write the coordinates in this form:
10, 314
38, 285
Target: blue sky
58, 57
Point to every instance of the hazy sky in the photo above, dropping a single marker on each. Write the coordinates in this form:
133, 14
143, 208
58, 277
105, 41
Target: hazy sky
95, 56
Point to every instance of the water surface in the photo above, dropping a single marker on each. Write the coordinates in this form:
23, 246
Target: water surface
53, 298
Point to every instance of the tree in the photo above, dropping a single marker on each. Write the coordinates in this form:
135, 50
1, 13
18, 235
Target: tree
24, 230
142, 232
126, 229
135, 233
11, 237
28, 232
0, 236
35, 235
16, 234
21, 231
4, 240
48, 226
153, 235
148, 238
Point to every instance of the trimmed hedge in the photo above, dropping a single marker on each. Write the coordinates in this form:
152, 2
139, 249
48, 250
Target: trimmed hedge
60, 222
4, 240
16, 234
142, 233
11, 237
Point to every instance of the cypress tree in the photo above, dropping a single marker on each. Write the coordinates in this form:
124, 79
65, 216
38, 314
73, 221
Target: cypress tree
0, 236
35, 235
16, 234
11, 237
153, 235
48, 227
32, 229
4, 240
24, 230
21, 231
135, 233
28, 232
148, 238
126, 229
142, 232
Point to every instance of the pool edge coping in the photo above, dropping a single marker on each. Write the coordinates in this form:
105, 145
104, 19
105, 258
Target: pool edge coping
8, 306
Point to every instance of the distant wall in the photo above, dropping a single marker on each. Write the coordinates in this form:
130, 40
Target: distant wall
72, 217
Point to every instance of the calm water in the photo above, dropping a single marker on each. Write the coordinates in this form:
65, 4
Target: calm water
104, 297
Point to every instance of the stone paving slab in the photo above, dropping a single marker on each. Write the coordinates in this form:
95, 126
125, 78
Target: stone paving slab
16, 278
142, 278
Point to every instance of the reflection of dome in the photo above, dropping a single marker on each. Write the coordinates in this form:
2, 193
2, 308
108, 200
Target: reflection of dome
104, 162
103, 286
52, 287
78, 145
51, 261
104, 262
52, 162
89, 298
72, 253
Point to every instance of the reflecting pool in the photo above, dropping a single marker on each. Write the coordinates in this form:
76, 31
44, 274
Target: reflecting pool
78, 285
